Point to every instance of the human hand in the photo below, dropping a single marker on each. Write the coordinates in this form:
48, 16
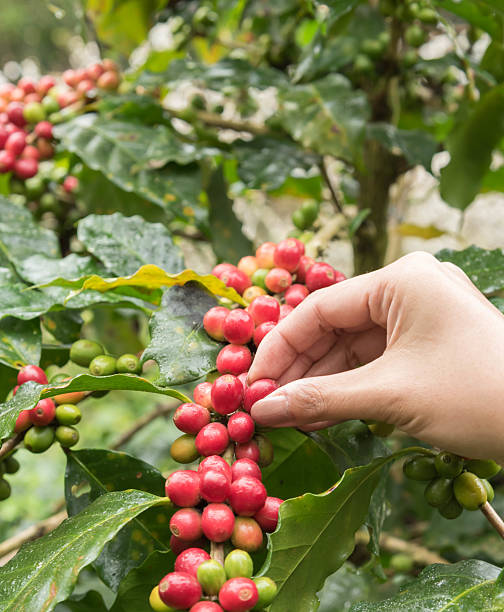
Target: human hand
433, 352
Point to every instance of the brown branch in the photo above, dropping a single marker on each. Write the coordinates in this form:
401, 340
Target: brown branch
161, 410
10, 444
493, 518
215, 120
334, 196
419, 554
217, 552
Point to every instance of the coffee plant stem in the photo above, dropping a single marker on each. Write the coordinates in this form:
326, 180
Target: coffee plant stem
493, 518
334, 196
9, 444
421, 555
217, 552
160, 410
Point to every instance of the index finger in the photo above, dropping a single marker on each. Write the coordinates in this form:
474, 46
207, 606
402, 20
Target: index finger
344, 306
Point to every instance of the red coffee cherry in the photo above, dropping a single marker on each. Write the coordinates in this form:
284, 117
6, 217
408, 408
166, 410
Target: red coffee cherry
305, 263
186, 524
212, 439
278, 280
30, 152
247, 534
285, 309
202, 393
95, 71
248, 265
190, 418
15, 143
243, 379
241, 427
27, 85
214, 486
267, 516
245, 467
262, 330
265, 255
23, 422
4, 134
14, 391
227, 394
32, 372
43, 413
108, 80
45, 83
238, 326
179, 589
287, 254
25, 168
215, 463
321, 275
44, 129
70, 184
238, 595
247, 496
7, 161
234, 359
213, 322
295, 295
189, 560
264, 308
218, 522
183, 488
249, 450
206, 606
219, 269
15, 113
257, 391
236, 279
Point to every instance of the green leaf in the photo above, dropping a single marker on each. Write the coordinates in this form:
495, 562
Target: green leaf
124, 244
327, 116
417, 147
20, 342
228, 240
91, 473
45, 571
484, 268
30, 393
64, 325
498, 303
39, 269
485, 14
471, 145
85, 602
357, 221
179, 344
465, 586
134, 591
16, 301
132, 107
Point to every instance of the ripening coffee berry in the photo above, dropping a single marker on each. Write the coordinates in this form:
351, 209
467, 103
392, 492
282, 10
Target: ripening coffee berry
103, 365
183, 449
190, 418
179, 589
183, 488
257, 391
287, 254
249, 450
234, 359
420, 467
68, 414
266, 450
206, 606
212, 439
469, 491
211, 576
156, 603
245, 467
218, 522
262, 330
189, 560
320, 275
186, 524
439, 491
7, 161
215, 463
295, 295
238, 564
108, 80
248, 265
247, 534
39, 439
241, 427
43, 413
258, 278
265, 255
451, 510
67, 436
214, 486
267, 516
128, 364
11, 465
213, 322
23, 421
15, 113
202, 394
44, 129
247, 496
32, 372
488, 487
278, 280
266, 589
238, 327
264, 308
236, 279
5, 489
252, 293
219, 269
447, 464
238, 595
483, 468
82, 352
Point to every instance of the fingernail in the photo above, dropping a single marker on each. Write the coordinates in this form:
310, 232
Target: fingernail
272, 410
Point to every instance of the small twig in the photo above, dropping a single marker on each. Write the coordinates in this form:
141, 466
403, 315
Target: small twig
493, 518
419, 554
190, 235
9, 444
334, 196
160, 410
215, 120
217, 552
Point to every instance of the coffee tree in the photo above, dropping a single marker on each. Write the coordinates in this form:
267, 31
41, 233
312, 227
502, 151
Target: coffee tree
109, 176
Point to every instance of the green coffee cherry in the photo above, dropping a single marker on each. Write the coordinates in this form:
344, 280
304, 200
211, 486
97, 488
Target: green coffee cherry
380, 429
5, 489
420, 467
415, 36
449, 465
68, 414
363, 64
310, 209
39, 439
183, 449
469, 490
401, 562
67, 436
34, 112
50, 203
489, 489
439, 491
83, 352
34, 186
483, 468
103, 365
259, 276
428, 15
238, 564
451, 510
50, 105
267, 591
266, 450
128, 363
372, 47
11, 465
156, 603
410, 58
299, 220
211, 576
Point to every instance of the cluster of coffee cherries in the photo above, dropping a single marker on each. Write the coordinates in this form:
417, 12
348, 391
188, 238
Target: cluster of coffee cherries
92, 355
454, 483
29, 109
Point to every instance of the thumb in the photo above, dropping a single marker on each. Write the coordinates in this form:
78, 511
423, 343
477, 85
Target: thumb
368, 392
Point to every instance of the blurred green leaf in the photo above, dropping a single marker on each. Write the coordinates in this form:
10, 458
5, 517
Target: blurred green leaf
485, 14
64, 325
484, 268
357, 221
20, 342
417, 147
85, 602
39, 269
